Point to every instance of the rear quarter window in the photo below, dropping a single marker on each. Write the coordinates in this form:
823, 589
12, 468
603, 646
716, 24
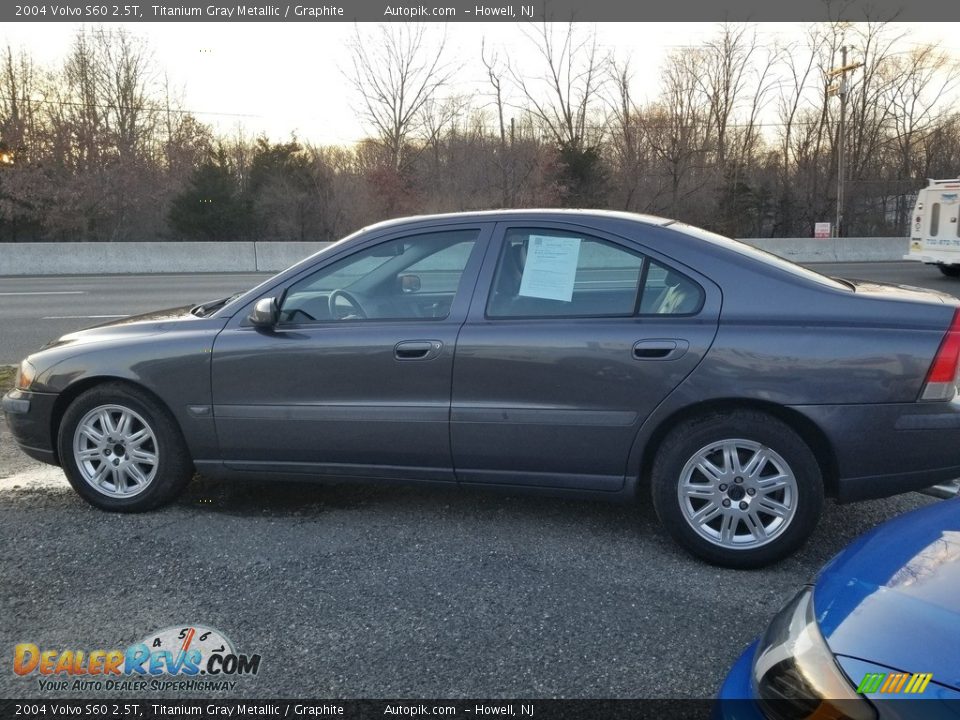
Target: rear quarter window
763, 256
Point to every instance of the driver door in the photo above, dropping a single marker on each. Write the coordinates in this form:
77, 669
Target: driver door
355, 378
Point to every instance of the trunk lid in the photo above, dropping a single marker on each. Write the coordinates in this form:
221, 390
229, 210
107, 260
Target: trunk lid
891, 291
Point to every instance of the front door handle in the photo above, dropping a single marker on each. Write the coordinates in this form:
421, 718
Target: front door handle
417, 349
660, 349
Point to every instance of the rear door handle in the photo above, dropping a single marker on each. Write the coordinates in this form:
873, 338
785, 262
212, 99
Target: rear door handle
660, 349
417, 349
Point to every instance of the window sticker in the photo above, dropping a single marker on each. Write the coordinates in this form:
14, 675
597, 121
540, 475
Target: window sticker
551, 268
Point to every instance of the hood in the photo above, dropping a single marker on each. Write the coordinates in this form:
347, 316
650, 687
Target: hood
891, 291
150, 323
893, 596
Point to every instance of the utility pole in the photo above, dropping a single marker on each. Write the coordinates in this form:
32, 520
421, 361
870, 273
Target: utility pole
841, 90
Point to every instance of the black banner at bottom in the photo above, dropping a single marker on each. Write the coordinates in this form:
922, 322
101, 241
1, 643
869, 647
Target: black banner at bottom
137, 709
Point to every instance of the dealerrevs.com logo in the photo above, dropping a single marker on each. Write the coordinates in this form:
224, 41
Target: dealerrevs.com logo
175, 658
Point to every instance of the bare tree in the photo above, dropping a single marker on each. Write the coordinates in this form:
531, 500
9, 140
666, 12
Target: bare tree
565, 99
918, 81
626, 134
128, 88
735, 80
103, 150
82, 103
677, 125
438, 118
495, 73
19, 83
564, 96
736, 83
798, 64
396, 73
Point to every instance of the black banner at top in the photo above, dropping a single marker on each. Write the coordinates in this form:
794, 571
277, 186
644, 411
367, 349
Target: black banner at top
475, 10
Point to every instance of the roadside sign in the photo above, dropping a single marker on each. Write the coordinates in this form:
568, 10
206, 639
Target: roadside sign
821, 230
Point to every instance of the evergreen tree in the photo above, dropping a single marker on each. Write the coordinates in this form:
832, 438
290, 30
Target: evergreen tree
212, 206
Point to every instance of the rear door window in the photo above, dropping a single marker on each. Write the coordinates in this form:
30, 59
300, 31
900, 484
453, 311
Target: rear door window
557, 273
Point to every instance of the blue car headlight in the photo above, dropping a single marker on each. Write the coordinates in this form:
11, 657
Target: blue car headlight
794, 673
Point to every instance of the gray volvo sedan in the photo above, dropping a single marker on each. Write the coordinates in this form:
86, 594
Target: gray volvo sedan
580, 353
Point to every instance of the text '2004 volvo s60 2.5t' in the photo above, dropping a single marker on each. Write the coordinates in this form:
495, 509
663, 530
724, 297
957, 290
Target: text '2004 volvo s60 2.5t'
571, 352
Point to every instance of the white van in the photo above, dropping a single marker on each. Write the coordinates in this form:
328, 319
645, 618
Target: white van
934, 231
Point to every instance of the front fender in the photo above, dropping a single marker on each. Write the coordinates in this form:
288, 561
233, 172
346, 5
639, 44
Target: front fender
173, 366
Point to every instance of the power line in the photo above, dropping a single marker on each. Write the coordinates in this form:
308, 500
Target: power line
97, 106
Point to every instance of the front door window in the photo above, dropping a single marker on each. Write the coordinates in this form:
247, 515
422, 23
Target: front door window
414, 277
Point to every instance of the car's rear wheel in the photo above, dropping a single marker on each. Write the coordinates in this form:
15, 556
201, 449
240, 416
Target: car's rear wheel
950, 270
121, 450
738, 489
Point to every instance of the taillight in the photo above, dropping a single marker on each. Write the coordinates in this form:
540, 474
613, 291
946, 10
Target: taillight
941, 381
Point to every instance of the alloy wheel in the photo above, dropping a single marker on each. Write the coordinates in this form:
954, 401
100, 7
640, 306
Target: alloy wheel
115, 451
737, 493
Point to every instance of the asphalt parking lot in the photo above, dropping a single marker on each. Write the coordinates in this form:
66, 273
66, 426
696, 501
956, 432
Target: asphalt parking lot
389, 591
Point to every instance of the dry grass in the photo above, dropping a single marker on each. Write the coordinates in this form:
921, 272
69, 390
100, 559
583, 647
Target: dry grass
7, 374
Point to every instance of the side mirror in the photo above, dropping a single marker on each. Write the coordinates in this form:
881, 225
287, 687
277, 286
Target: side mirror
265, 313
409, 283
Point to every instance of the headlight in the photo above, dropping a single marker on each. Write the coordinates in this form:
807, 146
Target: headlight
25, 375
796, 676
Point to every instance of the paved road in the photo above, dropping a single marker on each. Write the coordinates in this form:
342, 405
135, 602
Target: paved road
906, 273
351, 591
34, 310
38, 309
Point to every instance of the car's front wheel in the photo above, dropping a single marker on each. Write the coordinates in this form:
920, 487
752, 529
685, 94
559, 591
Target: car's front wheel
738, 489
121, 451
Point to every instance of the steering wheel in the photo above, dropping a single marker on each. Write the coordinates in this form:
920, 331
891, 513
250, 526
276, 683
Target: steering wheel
349, 297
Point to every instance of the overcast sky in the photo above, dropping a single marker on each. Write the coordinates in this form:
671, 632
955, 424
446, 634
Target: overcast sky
278, 78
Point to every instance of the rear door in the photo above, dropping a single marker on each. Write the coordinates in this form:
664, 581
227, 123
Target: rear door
943, 231
572, 339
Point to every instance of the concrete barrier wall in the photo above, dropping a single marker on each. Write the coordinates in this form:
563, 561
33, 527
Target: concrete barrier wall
175, 257
150, 257
124, 257
276, 256
834, 249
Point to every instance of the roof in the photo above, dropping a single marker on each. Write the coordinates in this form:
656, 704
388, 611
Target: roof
561, 214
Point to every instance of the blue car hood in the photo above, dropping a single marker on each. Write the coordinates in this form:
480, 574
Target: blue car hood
893, 596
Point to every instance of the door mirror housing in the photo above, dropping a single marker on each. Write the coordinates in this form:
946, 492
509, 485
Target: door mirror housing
265, 313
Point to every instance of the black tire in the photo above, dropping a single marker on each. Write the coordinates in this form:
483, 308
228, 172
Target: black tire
168, 475
950, 270
684, 443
